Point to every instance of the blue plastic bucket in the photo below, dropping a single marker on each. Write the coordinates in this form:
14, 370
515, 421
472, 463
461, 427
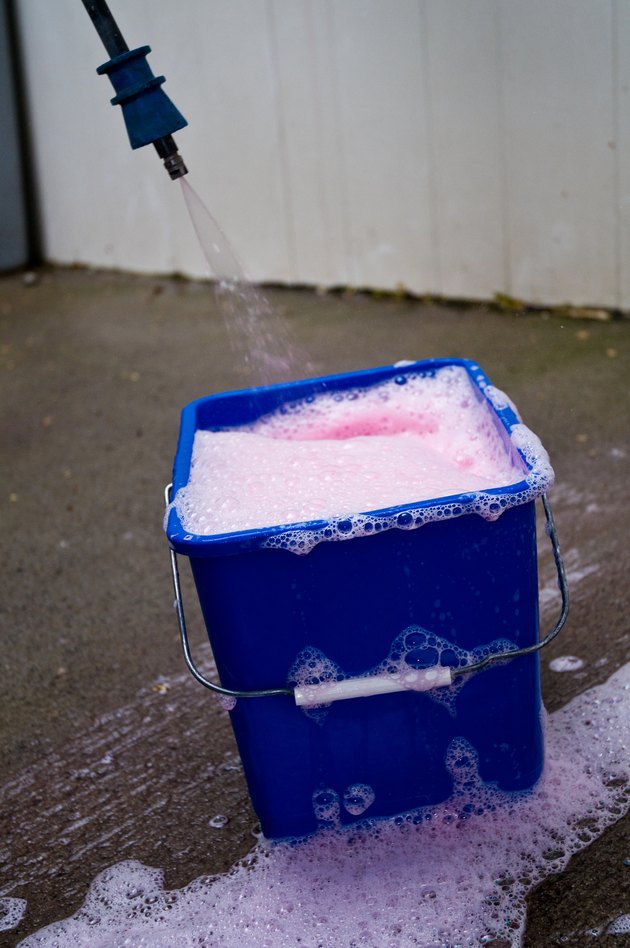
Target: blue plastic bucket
467, 580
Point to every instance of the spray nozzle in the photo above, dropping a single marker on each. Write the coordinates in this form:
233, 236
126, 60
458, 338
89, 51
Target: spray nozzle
150, 116
173, 161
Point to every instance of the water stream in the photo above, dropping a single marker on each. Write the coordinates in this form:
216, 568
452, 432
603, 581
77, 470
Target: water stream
259, 337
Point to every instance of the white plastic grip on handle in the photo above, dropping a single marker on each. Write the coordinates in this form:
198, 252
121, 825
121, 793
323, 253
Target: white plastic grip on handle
416, 679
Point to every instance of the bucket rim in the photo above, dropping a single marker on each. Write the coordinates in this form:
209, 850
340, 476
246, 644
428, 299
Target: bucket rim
466, 503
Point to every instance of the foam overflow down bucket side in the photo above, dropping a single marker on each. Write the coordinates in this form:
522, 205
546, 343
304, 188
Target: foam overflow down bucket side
360, 528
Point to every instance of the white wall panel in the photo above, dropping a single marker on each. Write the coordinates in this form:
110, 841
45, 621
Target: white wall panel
384, 143
621, 152
307, 116
466, 127
459, 147
559, 129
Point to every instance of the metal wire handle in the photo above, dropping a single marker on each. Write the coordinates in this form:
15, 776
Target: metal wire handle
456, 672
564, 610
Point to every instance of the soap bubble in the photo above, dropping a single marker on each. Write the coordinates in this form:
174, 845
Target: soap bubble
358, 798
326, 805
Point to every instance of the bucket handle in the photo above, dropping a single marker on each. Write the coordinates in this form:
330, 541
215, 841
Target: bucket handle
421, 680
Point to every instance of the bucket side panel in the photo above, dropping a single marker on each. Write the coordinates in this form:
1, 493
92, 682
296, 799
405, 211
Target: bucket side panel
288, 757
466, 580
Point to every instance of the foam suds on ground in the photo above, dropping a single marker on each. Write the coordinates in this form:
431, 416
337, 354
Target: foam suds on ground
457, 875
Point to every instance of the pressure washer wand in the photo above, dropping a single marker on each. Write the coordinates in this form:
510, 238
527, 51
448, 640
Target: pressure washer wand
150, 116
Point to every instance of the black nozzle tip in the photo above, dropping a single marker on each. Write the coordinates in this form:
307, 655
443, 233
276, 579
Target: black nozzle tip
175, 166
173, 161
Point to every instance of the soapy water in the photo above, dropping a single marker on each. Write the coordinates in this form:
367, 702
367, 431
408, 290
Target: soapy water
566, 663
11, 912
414, 648
619, 926
259, 338
452, 875
414, 438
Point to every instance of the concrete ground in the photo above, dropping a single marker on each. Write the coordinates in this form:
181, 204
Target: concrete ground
109, 749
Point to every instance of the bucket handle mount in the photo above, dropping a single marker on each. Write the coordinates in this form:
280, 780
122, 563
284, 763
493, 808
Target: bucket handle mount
423, 679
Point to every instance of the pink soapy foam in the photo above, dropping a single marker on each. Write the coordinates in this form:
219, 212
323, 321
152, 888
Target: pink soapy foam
456, 874
412, 439
11, 912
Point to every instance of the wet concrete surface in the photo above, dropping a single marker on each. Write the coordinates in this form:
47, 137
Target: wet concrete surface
109, 749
